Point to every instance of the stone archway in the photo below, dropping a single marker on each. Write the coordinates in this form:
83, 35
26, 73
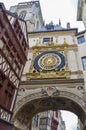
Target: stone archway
49, 98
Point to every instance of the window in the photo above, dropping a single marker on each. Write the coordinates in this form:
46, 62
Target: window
43, 121
35, 120
81, 39
47, 39
22, 14
84, 62
56, 112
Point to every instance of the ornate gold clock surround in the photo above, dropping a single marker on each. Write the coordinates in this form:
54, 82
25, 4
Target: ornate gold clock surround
47, 61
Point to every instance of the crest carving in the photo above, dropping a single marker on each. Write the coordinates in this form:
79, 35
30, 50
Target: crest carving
49, 91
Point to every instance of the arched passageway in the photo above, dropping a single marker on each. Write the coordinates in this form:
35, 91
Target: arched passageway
44, 100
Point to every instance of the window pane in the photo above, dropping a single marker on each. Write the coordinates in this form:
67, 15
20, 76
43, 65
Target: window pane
81, 39
47, 39
84, 63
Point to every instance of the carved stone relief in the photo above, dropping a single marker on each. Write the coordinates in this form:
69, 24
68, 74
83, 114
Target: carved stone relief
49, 90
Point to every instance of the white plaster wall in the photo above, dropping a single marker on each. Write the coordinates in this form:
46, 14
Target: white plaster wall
68, 38
33, 41
72, 64
60, 39
82, 49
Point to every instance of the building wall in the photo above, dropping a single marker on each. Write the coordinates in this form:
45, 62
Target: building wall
73, 60
82, 52
48, 116
74, 54
79, 125
81, 11
61, 125
13, 55
31, 13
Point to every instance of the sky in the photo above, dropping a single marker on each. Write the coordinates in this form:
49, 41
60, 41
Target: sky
53, 10
70, 120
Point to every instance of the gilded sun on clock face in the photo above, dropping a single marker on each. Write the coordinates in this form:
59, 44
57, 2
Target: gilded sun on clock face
49, 60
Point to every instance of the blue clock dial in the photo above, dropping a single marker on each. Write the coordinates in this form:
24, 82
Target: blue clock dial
49, 60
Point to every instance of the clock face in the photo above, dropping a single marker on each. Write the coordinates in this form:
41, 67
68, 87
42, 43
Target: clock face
49, 60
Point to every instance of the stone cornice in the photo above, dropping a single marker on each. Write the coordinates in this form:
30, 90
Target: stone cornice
51, 81
64, 31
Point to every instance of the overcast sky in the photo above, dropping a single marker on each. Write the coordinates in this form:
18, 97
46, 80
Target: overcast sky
70, 120
53, 10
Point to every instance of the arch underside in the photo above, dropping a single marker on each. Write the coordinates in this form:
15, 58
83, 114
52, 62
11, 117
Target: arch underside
52, 103
68, 96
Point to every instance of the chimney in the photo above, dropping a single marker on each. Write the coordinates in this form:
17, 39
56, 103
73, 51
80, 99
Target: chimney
68, 25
